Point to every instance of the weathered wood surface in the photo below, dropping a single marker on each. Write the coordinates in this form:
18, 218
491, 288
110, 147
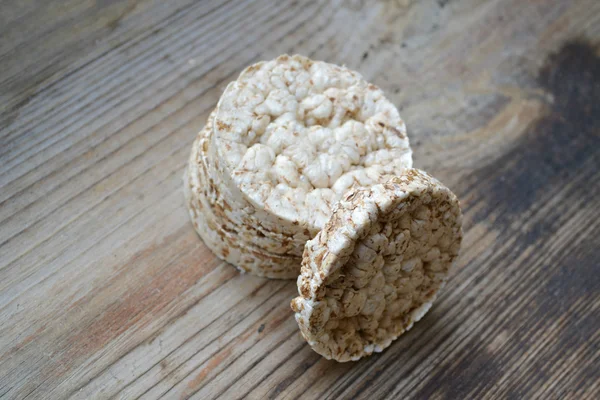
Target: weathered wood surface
106, 291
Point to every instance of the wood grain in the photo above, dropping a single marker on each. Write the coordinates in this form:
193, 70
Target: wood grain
107, 292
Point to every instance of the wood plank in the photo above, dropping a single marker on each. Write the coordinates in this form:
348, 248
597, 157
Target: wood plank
107, 292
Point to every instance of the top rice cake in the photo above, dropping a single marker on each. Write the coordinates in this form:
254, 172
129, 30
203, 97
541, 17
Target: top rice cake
294, 135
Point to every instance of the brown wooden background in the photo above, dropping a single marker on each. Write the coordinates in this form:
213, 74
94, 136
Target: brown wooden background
107, 292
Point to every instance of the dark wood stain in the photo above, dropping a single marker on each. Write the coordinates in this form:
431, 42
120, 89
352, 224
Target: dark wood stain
555, 148
559, 147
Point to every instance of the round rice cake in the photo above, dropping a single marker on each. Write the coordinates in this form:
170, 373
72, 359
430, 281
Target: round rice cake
377, 265
293, 135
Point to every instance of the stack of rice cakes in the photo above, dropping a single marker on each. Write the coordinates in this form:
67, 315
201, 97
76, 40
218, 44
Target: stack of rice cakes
287, 140
304, 171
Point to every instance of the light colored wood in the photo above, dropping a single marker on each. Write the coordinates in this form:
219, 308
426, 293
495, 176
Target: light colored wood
107, 292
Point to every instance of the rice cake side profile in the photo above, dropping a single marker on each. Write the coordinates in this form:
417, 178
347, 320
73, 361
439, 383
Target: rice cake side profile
377, 265
222, 237
240, 222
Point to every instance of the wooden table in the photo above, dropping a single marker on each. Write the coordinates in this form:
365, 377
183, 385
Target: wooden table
107, 291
